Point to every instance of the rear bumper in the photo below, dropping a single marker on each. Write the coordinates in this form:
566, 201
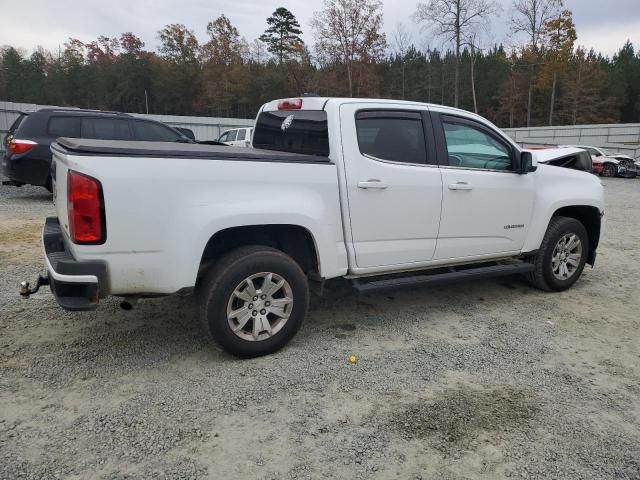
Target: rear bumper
25, 170
76, 285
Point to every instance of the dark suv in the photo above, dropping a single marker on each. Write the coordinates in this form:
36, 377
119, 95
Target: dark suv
27, 159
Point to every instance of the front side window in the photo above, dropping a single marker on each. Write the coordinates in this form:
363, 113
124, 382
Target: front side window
232, 136
154, 132
470, 146
392, 135
105, 129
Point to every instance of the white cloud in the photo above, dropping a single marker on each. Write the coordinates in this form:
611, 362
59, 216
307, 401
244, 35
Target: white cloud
50, 23
609, 37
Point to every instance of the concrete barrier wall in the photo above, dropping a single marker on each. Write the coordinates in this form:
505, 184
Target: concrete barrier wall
623, 138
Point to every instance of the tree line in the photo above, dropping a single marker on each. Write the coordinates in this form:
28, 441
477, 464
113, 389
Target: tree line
546, 79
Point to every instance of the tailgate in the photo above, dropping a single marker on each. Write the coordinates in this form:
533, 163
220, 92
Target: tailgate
59, 171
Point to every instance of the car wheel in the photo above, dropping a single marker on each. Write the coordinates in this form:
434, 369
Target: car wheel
562, 255
610, 170
253, 301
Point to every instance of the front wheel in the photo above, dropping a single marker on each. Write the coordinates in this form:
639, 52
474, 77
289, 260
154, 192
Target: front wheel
253, 301
562, 255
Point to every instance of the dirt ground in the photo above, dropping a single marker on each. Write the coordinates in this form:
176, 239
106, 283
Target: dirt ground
485, 380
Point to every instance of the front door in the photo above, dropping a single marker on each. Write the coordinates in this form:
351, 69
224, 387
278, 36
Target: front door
394, 188
486, 206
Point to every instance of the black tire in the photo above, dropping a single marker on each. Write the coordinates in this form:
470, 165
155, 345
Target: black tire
542, 277
610, 170
220, 283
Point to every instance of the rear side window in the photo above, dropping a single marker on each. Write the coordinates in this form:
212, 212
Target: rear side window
392, 135
295, 131
154, 132
64, 127
241, 134
105, 129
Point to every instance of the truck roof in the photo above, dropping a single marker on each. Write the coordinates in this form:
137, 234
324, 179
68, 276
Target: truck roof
321, 103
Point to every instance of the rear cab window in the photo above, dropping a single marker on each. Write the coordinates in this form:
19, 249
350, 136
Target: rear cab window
293, 131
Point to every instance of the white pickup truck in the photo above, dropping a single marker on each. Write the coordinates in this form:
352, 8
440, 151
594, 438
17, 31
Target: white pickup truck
385, 193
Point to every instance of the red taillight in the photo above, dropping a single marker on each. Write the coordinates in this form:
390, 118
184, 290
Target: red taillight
17, 147
290, 104
86, 209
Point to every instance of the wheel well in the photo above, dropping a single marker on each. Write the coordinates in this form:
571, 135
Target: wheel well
589, 217
295, 241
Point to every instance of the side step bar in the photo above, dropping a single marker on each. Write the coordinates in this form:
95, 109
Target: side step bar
453, 275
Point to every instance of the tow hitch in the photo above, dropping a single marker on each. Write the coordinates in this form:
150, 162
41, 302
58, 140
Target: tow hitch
25, 289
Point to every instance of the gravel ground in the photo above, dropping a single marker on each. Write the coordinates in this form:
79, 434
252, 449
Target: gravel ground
481, 380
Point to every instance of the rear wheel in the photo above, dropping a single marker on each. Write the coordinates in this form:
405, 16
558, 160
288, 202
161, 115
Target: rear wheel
562, 255
253, 301
610, 170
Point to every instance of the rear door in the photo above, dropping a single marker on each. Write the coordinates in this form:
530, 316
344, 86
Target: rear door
394, 188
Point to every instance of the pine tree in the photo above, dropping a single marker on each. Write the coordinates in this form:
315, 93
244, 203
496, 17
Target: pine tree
283, 35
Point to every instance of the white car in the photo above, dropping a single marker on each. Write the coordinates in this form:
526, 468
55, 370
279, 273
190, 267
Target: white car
614, 164
384, 193
237, 137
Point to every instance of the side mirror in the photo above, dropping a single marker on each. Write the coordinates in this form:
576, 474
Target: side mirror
527, 163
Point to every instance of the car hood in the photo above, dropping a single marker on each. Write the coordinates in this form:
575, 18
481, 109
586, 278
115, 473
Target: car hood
566, 157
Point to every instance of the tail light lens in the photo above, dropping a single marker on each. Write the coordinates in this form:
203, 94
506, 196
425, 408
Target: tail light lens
290, 104
17, 147
85, 205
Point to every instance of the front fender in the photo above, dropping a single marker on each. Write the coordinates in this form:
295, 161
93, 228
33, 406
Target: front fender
556, 188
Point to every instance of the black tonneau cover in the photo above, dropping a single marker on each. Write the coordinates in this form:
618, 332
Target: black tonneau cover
124, 148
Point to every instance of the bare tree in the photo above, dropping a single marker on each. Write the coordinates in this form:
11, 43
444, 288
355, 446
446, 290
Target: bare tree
401, 44
454, 20
529, 17
473, 46
349, 31
258, 51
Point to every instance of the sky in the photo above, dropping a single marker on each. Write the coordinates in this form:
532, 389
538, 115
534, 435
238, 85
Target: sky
604, 25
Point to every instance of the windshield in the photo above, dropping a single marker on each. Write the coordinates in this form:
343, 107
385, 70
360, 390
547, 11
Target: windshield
294, 131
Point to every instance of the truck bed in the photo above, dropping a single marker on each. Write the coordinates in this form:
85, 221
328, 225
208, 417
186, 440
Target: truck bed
163, 202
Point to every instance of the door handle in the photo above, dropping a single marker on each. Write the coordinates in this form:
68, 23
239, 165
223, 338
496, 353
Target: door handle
372, 184
460, 186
